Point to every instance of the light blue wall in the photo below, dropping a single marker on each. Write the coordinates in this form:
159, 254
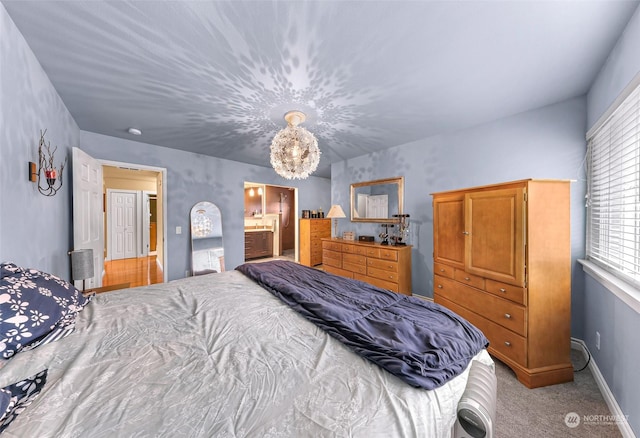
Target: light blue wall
35, 230
545, 143
192, 178
617, 323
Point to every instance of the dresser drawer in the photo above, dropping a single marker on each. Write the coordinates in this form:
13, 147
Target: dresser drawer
320, 226
348, 248
372, 252
378, 282
508, 291
354, 267
354, 258
360, 250
332, 258
382, 274
389, 254
466, 278
443, 270
385, 265
502, 312
500, 339
333, 246
337, 271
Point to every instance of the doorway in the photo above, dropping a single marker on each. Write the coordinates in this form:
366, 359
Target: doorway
133, 231
268, 207
91, 179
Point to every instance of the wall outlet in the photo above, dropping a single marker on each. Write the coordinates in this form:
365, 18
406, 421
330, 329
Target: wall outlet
186, 274
178, 230
598, 340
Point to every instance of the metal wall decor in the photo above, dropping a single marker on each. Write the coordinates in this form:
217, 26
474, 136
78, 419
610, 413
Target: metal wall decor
49, 178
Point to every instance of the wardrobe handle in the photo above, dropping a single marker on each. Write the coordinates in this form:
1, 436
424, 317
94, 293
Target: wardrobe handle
507, 343
439, 286
507, 315
503, 290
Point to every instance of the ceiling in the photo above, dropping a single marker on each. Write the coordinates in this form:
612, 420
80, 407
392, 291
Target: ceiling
217, 77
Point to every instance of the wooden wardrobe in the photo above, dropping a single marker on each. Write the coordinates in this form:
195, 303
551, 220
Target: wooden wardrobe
502, 260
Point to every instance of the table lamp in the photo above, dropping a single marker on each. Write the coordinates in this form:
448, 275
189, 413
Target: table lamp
334, 213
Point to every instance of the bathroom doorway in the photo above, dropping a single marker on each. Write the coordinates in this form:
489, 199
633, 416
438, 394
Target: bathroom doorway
270, 209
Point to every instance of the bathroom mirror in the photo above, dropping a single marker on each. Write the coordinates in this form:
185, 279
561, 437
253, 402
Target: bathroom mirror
207, 247
377, 201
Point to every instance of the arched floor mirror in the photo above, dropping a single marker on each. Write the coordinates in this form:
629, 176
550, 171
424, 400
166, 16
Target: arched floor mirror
207, 247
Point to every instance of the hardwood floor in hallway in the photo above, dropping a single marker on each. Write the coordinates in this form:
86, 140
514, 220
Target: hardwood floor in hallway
135, 272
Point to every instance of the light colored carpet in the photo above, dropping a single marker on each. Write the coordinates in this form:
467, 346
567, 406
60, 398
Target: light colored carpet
541, 412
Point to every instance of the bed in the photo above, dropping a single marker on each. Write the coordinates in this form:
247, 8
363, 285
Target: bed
216, 355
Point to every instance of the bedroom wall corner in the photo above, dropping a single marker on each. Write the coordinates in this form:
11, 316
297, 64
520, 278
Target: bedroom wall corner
35, 230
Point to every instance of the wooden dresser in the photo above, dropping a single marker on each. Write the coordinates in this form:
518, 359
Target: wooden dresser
384, 266
502, 260
311, 231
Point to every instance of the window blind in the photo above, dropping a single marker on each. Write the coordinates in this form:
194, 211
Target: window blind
613, 197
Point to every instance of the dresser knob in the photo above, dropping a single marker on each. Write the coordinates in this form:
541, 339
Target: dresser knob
503, 290
441, 270
467, 278
507, 343
439, 286
507, 315
466, 233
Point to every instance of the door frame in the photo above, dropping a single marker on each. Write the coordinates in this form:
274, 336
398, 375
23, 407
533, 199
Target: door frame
163, 172
138, 222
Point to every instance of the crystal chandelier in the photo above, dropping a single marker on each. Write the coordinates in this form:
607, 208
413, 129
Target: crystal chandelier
294, 150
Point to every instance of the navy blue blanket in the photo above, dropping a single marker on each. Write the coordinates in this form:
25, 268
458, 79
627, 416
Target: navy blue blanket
421, 342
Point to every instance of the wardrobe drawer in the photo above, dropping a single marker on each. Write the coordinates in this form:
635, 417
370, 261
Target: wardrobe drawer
372, 252
500, 339
508, 291
385, 265
466, 278
502, 312
443, 270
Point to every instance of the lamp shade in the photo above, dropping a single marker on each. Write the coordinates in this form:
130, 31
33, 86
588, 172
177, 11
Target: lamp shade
81, 264
336, 212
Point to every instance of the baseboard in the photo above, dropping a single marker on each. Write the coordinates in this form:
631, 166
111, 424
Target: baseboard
610, 400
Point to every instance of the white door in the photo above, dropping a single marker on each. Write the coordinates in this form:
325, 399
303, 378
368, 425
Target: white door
88, 231
123, 225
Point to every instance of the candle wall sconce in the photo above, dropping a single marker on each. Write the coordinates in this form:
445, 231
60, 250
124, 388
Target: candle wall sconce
49, 178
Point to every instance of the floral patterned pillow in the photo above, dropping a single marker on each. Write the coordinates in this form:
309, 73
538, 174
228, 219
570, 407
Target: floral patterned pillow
35, 308
15, 398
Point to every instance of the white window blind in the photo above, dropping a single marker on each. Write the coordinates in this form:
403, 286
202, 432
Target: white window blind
613, 197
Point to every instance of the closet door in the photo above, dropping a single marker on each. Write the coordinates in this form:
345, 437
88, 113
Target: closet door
495, 234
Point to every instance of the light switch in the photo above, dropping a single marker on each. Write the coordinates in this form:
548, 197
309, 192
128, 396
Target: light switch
178, 230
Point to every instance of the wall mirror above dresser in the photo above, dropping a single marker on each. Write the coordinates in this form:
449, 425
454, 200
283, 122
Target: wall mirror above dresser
378, 200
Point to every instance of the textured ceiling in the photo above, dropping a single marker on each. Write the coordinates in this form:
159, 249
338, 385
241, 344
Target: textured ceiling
216, 77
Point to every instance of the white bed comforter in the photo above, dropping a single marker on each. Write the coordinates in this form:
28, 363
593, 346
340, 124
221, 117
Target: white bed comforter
216, 356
